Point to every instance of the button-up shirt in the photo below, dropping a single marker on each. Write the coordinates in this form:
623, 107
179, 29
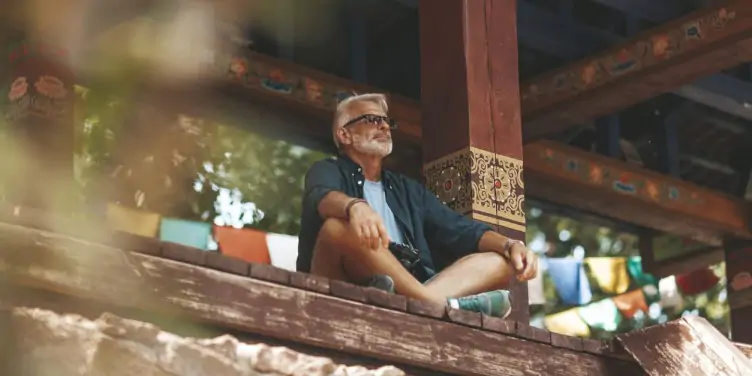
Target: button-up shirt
440, 234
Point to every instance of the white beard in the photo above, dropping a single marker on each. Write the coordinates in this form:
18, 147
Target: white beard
376, 148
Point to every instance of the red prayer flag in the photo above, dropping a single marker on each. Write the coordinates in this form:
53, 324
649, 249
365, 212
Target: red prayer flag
245, 244
696, 282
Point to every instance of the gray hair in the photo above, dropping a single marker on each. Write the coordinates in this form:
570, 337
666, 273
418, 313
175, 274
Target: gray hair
342, 114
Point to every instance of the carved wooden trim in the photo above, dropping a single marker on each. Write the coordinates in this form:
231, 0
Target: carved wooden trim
487, 186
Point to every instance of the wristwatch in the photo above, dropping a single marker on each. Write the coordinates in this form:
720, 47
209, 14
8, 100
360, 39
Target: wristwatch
508, 246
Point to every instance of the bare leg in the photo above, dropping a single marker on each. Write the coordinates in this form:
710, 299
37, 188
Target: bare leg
473, 274
338, 254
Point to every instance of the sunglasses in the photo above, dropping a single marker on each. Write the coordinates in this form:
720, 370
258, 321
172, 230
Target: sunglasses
373, 120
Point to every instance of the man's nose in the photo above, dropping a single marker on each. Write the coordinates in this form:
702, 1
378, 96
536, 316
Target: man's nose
384, 126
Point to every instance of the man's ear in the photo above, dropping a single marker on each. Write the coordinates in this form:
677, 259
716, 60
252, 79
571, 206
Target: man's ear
344, 136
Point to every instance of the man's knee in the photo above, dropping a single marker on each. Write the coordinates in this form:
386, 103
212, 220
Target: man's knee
333, 230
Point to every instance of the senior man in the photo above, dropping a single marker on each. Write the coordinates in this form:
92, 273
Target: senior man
367, 225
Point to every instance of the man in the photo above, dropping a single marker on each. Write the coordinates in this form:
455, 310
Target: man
355, 213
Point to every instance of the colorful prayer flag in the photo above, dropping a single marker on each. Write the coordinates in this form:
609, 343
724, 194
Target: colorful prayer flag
696, 282
535, 292
610, 273
132, 221
570, 280
630, 303
603, 315
634, 265
670, 297
283, 251
568, 323
190, 233
245, 244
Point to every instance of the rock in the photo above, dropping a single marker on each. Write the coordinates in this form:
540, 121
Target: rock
71, 345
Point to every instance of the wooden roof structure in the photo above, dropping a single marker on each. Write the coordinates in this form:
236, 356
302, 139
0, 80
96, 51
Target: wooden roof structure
573, 100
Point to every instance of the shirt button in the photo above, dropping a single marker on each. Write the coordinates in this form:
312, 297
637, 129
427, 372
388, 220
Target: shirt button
359, 169
360, 182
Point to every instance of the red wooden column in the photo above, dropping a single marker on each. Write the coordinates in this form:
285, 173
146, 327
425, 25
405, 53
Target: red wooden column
40, 114
472, 136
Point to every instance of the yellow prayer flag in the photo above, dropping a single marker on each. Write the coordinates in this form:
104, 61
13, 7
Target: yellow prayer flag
133, 221
610, 273
568, 323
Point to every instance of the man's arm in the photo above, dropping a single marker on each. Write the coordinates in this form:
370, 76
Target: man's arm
324, 196
451, 232
448, 231
335, 205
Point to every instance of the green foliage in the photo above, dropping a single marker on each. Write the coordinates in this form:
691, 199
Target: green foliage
268, 173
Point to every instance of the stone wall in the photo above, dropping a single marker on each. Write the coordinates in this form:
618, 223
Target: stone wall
68, 345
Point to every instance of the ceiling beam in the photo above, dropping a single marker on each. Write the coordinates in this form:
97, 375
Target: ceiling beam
631, 72
546, 31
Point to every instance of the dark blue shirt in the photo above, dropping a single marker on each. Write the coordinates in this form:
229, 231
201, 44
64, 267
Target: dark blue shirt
440, 234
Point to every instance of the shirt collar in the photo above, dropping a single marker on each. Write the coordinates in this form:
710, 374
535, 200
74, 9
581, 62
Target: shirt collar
352, 167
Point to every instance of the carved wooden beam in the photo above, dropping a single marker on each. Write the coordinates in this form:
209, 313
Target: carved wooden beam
651, 64
553, 172
171, 279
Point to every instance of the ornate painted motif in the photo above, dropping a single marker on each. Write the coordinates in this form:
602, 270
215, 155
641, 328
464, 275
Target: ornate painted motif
635, 56
478, 182
28, 49
47, 97
273, 78
617, 179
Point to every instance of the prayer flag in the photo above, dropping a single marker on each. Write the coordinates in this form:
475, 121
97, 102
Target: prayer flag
132, 221
190, 233
568, 323
602, 314
570, 280
631, 302
697, 281
245, 244
610, 273
535, 293
283, 251
670, 297
634, 265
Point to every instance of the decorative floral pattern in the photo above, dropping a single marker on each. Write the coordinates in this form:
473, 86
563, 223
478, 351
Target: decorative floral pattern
477, 181
619, 180
48, 97
18, 89
51, 87
635, 56
275, 78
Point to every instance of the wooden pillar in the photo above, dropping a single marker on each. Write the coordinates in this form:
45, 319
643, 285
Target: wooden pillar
472, 136
40, 94
739, 277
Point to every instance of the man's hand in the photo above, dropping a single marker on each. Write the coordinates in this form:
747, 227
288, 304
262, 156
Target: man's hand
524, 261
368, 226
